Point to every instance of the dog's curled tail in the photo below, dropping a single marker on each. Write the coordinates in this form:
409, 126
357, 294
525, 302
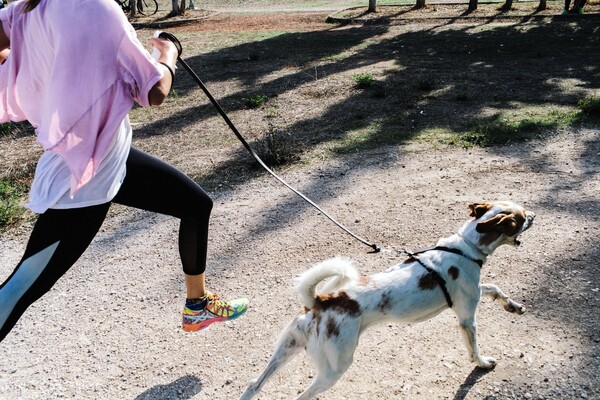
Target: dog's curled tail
339, 267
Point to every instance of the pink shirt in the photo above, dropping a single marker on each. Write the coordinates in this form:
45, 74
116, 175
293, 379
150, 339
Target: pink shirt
74, 70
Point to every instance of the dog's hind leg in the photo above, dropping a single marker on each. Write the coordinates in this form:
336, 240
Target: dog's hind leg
333, 353
495, 293
291, 341
326, 378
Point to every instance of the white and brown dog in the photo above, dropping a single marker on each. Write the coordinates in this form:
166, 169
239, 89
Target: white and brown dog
421, 287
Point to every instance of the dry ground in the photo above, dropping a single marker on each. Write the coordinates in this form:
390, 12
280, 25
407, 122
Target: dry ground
109, 328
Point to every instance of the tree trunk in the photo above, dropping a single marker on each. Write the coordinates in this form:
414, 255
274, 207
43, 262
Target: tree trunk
472, 5
175, 7
542, 5
507, 6
133, 7
372, 5
420, 4
178, 7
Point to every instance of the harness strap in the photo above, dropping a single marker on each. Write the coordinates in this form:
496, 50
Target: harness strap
440, 281
449, 250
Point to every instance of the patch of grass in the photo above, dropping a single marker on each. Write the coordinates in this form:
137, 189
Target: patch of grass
255, 101
371, 135
7, 129
467, 139
501, 129
276, 148
363, 81
590, 106
11, 210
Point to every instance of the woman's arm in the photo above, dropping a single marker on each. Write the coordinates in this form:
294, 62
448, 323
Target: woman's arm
168, 55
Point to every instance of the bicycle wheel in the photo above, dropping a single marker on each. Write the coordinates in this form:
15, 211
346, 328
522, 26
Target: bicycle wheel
147, 7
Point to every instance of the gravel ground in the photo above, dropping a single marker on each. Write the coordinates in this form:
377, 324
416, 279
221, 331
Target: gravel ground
110, 328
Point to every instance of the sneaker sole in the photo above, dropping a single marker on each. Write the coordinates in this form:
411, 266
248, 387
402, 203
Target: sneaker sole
205, 324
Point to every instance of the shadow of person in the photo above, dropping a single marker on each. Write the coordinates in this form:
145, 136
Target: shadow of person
183, 388
468, 384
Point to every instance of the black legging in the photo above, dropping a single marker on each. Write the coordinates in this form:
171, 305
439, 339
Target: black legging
60, 237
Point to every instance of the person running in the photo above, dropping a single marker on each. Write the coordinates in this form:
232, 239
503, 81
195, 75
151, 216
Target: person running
73, 69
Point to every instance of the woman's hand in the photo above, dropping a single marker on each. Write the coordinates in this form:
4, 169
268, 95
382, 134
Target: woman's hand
4, 55
168, 51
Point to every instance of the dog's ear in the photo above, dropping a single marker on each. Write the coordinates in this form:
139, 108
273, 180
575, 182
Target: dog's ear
477, 210
502, 223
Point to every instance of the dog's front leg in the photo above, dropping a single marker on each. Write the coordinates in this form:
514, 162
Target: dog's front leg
495, 293
465, 307
468, 328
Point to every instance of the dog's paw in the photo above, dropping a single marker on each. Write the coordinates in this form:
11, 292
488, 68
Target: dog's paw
486, 362
514, 307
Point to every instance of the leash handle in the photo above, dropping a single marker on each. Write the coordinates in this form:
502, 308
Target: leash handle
171, 37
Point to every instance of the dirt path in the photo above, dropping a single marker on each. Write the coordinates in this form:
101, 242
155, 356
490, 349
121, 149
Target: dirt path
110, 328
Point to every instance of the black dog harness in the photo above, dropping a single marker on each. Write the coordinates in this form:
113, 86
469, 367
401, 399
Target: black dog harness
437, 277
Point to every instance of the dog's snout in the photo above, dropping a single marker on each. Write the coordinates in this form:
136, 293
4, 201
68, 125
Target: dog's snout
530, 217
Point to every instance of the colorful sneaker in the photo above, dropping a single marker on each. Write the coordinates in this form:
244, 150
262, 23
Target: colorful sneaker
565, 11
580, 10
215, 310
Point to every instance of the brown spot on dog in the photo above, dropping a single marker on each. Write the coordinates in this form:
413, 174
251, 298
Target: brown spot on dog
477, 210
453, 272
332, 328
341, 302
426, 282
508, 223
384, 303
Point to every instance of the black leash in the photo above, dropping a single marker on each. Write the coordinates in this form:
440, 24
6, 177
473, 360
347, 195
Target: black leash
172, 38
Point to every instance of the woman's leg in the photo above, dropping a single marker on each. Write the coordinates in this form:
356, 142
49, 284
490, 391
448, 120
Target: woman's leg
153, 185
58, 239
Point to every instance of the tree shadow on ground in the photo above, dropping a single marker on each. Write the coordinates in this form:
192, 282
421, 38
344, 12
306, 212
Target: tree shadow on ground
469, 69
445, 79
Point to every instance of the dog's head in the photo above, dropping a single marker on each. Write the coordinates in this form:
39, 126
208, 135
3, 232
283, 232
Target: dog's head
497, 223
